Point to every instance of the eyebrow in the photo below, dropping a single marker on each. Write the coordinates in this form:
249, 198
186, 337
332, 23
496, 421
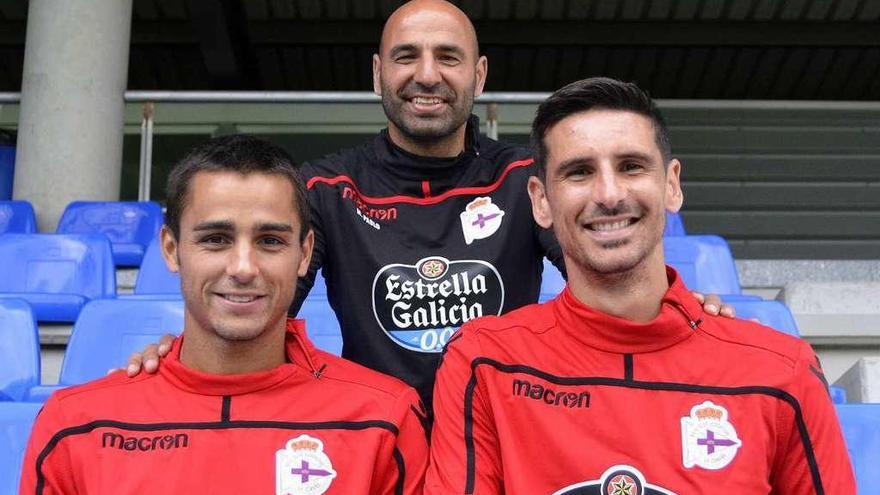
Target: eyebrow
226, 225
408, 47
411, 47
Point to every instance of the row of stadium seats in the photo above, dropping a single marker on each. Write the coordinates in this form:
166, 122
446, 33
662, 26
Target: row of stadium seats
128, 225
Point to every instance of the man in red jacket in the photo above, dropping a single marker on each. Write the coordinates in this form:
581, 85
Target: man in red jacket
622, 385
243, 403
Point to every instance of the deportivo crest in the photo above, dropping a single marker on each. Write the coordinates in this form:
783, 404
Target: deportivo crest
480, 219
616, 480
420, 306
708, 439
302, 468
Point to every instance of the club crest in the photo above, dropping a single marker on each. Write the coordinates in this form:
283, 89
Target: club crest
480, 219
302, 468
616, 480
708, 439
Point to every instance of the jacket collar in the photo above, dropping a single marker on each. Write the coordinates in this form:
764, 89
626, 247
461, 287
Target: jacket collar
680, 314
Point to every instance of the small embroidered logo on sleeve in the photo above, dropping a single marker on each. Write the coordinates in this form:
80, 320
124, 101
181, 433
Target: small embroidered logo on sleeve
708, 439
480, 219
302, 468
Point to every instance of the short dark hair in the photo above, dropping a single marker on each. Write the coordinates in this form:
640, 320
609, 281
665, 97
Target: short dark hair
239, 153
595, 93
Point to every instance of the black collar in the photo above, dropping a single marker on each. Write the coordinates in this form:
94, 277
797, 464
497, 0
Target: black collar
404, 164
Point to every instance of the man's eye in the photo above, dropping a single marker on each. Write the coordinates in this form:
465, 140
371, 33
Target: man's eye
632, 167
272, 242
404, 59
213, 240
576, 173
449, 59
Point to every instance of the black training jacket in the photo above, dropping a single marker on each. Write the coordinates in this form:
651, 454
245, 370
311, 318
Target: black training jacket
411, 247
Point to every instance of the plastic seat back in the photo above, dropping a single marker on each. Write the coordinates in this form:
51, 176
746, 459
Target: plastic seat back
861, 429
108, 331
704, 263
322, 326
19, 350
552, 282
16, 420
130, 225
774, 314
57, 274
17, 217
154, 276
674, 225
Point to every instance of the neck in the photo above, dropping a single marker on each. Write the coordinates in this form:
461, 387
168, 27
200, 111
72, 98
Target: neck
215, 355
634, 295
445, 147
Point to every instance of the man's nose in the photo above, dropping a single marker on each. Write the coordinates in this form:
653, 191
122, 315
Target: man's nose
427, 72
242, 263
608, 189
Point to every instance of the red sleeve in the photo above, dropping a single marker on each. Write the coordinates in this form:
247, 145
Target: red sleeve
56, 471
403, 465
464, 446
813, 459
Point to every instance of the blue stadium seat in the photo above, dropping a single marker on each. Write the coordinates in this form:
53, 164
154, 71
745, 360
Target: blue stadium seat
674, 225
552, 282
319, 287
704, 263
154, 276
16, 420
108, 331
861, 429
771, 313
838, 394
322, 326
18, 217
130, 225
56, 274
19, 350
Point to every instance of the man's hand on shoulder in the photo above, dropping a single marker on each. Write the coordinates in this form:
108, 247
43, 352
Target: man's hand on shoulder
712, 305
148, 359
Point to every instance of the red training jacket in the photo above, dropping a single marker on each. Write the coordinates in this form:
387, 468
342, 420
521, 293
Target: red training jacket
561, 399
316, 425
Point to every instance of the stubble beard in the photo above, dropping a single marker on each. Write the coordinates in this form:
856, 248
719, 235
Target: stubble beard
426, 130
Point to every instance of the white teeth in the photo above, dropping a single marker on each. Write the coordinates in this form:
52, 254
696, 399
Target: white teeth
239, 299
421, 100
605, 227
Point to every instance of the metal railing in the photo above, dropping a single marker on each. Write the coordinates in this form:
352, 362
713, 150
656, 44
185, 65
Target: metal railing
492, 101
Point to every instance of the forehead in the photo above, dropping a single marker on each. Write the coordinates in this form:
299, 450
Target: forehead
253, 196
430, 28
595, 133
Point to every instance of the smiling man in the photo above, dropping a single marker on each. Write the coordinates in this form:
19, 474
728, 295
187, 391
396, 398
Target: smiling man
244, 403
621, 384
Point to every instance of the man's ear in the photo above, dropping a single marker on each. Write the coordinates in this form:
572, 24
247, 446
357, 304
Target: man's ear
674, 194
306, 246
168, 243
482, 73
540, 206
377, 74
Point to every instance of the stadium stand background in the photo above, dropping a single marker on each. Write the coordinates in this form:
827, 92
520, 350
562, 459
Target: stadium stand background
774, 107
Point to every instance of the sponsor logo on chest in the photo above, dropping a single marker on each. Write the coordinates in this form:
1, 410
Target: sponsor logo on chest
420, 306
110, 440
616, 480
572, 399
371, 216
